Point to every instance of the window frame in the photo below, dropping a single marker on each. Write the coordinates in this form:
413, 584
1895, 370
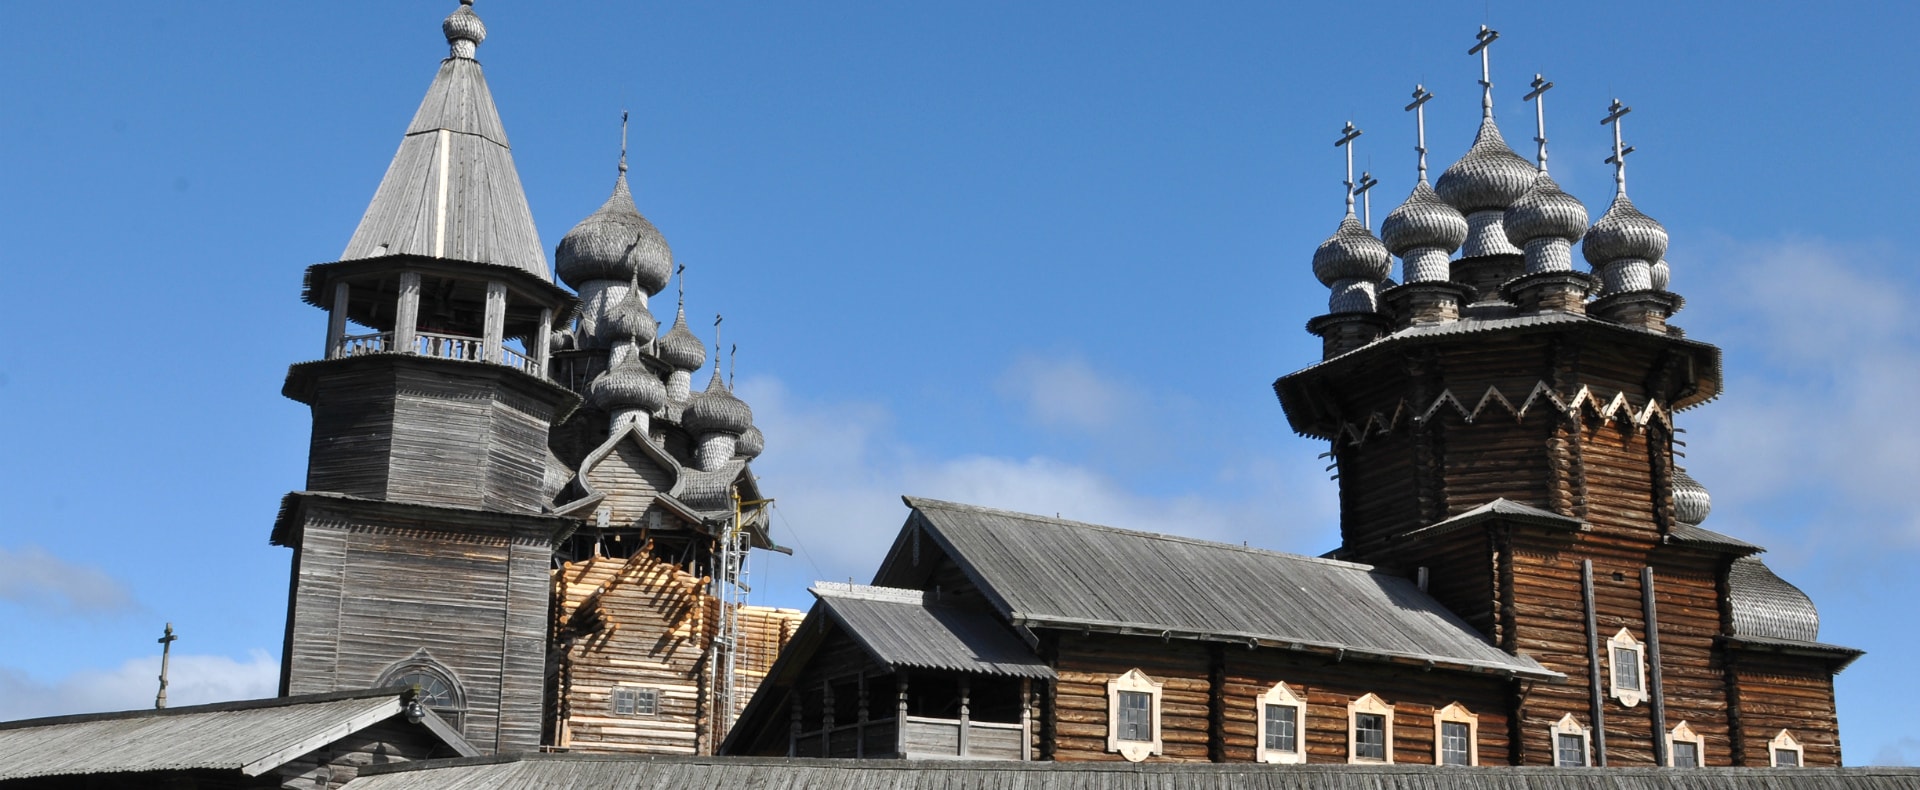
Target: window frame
1369, 704
1456, 713
1568, 725
1624, 641
638, 692
1282, 696
454, 711
1133, 680
1785, 742
1683, 733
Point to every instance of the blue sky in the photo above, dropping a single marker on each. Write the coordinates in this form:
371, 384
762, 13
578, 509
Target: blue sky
1040, 257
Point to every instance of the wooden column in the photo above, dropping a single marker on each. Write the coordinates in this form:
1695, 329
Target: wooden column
965, 713
493, 335
826, 718
900, 719
337, 321
860, 729
1026, 719
542, 340
1599, 709
1655, 687
793, 726
406, 315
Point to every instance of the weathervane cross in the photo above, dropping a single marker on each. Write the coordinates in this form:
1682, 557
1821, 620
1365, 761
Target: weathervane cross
1615, 112
1540, 88
1347, 136
1419, 109
623, 141
1482, 41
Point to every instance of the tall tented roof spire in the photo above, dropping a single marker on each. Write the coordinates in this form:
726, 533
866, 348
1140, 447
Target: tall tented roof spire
452, 190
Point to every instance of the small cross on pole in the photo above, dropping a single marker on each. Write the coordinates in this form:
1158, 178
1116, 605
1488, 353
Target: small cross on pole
1482, 41
1540, 88
1419, 109
1347, 136
1367, 183
166, 650
1615, 112
623, 141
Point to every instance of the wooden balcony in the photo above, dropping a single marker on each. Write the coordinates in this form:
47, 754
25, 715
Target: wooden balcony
925, 738
432, 344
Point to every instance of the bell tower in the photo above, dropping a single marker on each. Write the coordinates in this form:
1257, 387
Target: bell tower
422, 541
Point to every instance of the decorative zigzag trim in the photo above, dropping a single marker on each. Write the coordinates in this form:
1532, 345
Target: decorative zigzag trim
1618, 408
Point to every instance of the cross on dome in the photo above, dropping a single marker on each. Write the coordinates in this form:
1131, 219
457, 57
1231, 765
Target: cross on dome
1483, 41
1419, 109
1347, 136
1615, 112
1537, 96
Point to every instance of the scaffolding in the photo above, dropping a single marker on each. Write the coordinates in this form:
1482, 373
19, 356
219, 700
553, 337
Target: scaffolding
729, 591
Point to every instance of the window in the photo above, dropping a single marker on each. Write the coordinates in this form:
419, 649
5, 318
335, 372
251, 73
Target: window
1684, 747
434, 685
1570, 742
1370, 730
1282, 713
1456, 735
1133, 715
1626, 659
635, 701
1786, 751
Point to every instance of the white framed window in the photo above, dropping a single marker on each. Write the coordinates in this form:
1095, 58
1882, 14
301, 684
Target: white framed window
1627, 669
1456, 736
1572, 743
1283, 723
1685, 748
1369, 730
1133, 715
1786, 751
635, 701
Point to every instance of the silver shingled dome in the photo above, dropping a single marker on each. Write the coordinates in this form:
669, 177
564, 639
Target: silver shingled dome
464, 25
615, 243
1690, 501
1351, 253
627, 385
1489, 176
680, 348
751, 444
717, 411
629, 320
1423, 221
1544, 211
1623, 233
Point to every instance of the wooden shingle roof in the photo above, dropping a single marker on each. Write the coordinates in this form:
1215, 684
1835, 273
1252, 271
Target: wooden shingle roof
905, 629
1052, 573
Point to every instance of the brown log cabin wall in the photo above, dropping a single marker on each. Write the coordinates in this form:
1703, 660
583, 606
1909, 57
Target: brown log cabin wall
1777, 693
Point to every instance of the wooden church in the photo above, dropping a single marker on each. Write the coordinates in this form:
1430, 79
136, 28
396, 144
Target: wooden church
1523, 578
516, 499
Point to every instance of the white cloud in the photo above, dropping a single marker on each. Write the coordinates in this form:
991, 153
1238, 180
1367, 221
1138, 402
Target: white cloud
838, 472
1067, 393
191, 680
34, 578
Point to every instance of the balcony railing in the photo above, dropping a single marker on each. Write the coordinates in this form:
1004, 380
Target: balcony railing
926, 738
434, 344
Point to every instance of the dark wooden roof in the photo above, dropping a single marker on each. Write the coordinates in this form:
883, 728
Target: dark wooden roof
1695, 535
560, 771
1052, 573
905, 629
251, 737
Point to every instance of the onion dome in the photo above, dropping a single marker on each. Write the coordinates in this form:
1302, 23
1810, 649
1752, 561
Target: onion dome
717, 411
1690, 501
626, 386
1424, 220
464, 30
1544, 211
1661, 275
629, 320
1351, 253
1623, 233
1765, 605
1489, 177
615, 243
751, 443
679, 347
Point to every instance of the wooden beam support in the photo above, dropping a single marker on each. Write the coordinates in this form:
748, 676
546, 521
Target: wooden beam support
1659, 706
406, 314
542, 341
493, 335
1599, 710
337, 321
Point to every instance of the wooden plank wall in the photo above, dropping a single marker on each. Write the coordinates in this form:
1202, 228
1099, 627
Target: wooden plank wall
631, 481
1777, 693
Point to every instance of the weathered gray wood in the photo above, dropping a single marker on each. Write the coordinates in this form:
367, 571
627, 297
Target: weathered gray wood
1656, 684
492, 336
1599, 708
337, 321
406, 321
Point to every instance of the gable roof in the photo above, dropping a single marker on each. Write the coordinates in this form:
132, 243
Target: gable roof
251, 737
1052, 573
906, 629
1501, 509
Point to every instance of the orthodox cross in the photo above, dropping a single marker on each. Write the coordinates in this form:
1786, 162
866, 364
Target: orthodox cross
1483, 40
1347, 136
1540, 88
1419, 109
680, 278
166, 651
623, 141
1367, 183
717, 318
733, 363
1615, 112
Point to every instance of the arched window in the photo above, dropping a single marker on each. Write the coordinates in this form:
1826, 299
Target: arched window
438, 689
1283, 722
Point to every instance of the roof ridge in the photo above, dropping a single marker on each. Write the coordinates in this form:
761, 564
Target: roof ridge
915, 502
211, 707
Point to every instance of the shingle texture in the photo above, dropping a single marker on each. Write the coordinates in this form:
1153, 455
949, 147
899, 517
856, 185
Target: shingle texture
1767, 606
1064, 574
558, 772
229, 737
902, 628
